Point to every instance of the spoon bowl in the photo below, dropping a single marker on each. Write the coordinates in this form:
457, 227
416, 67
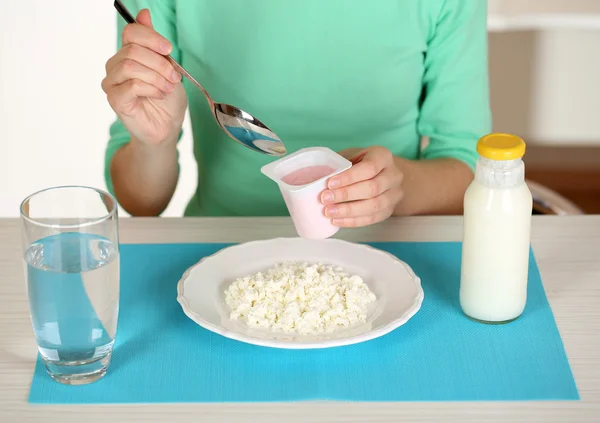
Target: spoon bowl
247, 130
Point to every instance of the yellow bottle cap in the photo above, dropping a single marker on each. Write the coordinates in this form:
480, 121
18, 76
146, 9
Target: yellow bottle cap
501, 147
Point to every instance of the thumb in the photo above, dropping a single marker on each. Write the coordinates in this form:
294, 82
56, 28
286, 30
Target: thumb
144, 18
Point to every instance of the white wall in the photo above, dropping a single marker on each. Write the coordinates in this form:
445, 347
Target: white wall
54, 118
545, 85
522, 8
567, 98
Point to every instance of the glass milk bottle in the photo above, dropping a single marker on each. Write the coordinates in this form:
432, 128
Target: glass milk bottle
496, 233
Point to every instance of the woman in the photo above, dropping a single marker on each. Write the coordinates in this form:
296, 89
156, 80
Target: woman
367, 79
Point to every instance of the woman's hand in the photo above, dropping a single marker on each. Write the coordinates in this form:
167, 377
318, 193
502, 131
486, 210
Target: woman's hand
142, 86
366, 193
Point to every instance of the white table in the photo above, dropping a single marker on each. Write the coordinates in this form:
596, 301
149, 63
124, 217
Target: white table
567, 250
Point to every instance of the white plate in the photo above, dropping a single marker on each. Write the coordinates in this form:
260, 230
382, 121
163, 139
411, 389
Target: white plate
398, 290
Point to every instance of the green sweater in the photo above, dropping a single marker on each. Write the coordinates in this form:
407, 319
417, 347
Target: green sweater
335, 73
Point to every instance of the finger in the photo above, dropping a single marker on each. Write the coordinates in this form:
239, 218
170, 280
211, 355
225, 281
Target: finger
374, 160
364, 190
145, 36
122, 95
355, 222
144, 18
351, 153
372, 206
130, 69
146, 57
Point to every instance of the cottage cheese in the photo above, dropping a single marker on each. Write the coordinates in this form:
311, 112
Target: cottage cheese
299, 298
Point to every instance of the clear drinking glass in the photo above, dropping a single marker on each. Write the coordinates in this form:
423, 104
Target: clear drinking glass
71, 253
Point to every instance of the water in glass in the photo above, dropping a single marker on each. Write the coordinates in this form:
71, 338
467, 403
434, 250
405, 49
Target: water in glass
73, 287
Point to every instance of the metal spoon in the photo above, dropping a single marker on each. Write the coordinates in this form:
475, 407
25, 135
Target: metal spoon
239, 125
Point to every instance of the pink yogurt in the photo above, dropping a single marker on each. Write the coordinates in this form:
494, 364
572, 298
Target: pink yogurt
306, 208
307, 175
302, 177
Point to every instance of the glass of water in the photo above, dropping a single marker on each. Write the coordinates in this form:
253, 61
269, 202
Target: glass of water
71, 252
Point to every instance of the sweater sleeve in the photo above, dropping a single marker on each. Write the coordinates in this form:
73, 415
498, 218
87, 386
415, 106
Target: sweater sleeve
163, 18
455, 110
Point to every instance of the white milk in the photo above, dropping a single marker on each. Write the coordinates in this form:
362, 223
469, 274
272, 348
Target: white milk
496, 234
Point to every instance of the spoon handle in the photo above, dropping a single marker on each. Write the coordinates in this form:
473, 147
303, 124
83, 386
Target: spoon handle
185, 73
124, 12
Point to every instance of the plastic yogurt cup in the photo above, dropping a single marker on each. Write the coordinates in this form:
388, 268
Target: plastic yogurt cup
301, 177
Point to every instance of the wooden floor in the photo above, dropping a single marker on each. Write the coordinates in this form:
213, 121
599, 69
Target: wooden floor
572, 172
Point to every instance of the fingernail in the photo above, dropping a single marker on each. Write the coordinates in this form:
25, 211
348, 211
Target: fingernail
327, 197
334, 183
165, 47
332, 211
176, 76
170, 87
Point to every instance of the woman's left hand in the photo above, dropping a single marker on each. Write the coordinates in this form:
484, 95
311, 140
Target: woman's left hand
366, 193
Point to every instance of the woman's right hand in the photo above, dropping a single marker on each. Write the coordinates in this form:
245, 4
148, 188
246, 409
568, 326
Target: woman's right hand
142, 86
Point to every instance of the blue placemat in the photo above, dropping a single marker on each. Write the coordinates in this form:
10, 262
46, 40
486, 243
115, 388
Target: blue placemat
439, 355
